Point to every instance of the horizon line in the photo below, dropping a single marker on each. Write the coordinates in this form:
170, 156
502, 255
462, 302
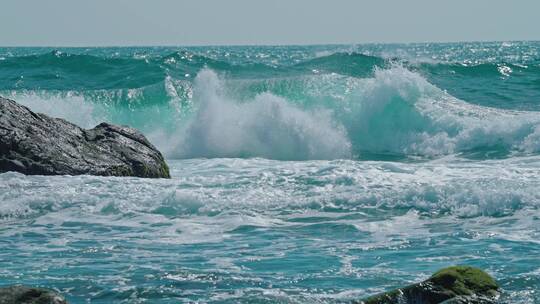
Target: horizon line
262, 44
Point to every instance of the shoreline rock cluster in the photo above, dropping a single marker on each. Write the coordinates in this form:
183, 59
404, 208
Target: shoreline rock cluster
36, 144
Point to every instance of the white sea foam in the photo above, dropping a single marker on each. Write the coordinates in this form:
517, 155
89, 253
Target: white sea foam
249, 192
229, 220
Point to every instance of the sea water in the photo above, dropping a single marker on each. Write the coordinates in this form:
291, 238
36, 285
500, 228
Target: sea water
300, 174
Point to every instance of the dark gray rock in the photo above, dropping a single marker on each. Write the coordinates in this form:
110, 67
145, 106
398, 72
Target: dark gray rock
29, 295
33, 143
452, 285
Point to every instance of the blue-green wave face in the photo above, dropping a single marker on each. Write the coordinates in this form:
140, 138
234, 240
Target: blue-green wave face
318, 102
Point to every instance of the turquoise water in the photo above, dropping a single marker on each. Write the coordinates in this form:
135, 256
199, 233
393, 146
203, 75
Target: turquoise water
300, 173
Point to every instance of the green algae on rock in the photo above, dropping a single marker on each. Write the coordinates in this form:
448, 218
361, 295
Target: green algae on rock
456, 284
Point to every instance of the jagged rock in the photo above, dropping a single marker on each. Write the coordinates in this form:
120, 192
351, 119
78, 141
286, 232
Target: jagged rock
452, 285
29, 295
33, 143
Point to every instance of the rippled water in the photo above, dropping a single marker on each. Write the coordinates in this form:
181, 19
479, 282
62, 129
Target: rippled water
229, 230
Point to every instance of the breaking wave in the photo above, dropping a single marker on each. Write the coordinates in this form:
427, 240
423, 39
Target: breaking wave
394, 113
328, 105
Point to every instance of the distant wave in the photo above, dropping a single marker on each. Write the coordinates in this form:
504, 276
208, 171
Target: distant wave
349, 64
65, 71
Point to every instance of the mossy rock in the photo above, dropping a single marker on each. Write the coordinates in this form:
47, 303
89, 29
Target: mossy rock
456, 284
465, 281
29, 295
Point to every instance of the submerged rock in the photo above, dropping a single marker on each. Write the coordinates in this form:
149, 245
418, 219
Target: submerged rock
33, 143
29, 295
452, 285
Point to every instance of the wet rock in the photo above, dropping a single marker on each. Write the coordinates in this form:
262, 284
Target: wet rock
452, 285
33, 143
29, 295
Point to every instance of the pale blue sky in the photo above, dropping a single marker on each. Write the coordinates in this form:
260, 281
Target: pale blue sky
217, 22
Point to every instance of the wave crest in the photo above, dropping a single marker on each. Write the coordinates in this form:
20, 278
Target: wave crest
267, 126
400, 112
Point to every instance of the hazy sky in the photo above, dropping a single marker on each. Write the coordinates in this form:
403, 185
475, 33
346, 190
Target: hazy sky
203, 22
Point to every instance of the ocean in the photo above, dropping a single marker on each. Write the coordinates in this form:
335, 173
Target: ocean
300, 174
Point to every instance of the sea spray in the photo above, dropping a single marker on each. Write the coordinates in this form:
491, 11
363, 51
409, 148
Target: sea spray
267, 126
